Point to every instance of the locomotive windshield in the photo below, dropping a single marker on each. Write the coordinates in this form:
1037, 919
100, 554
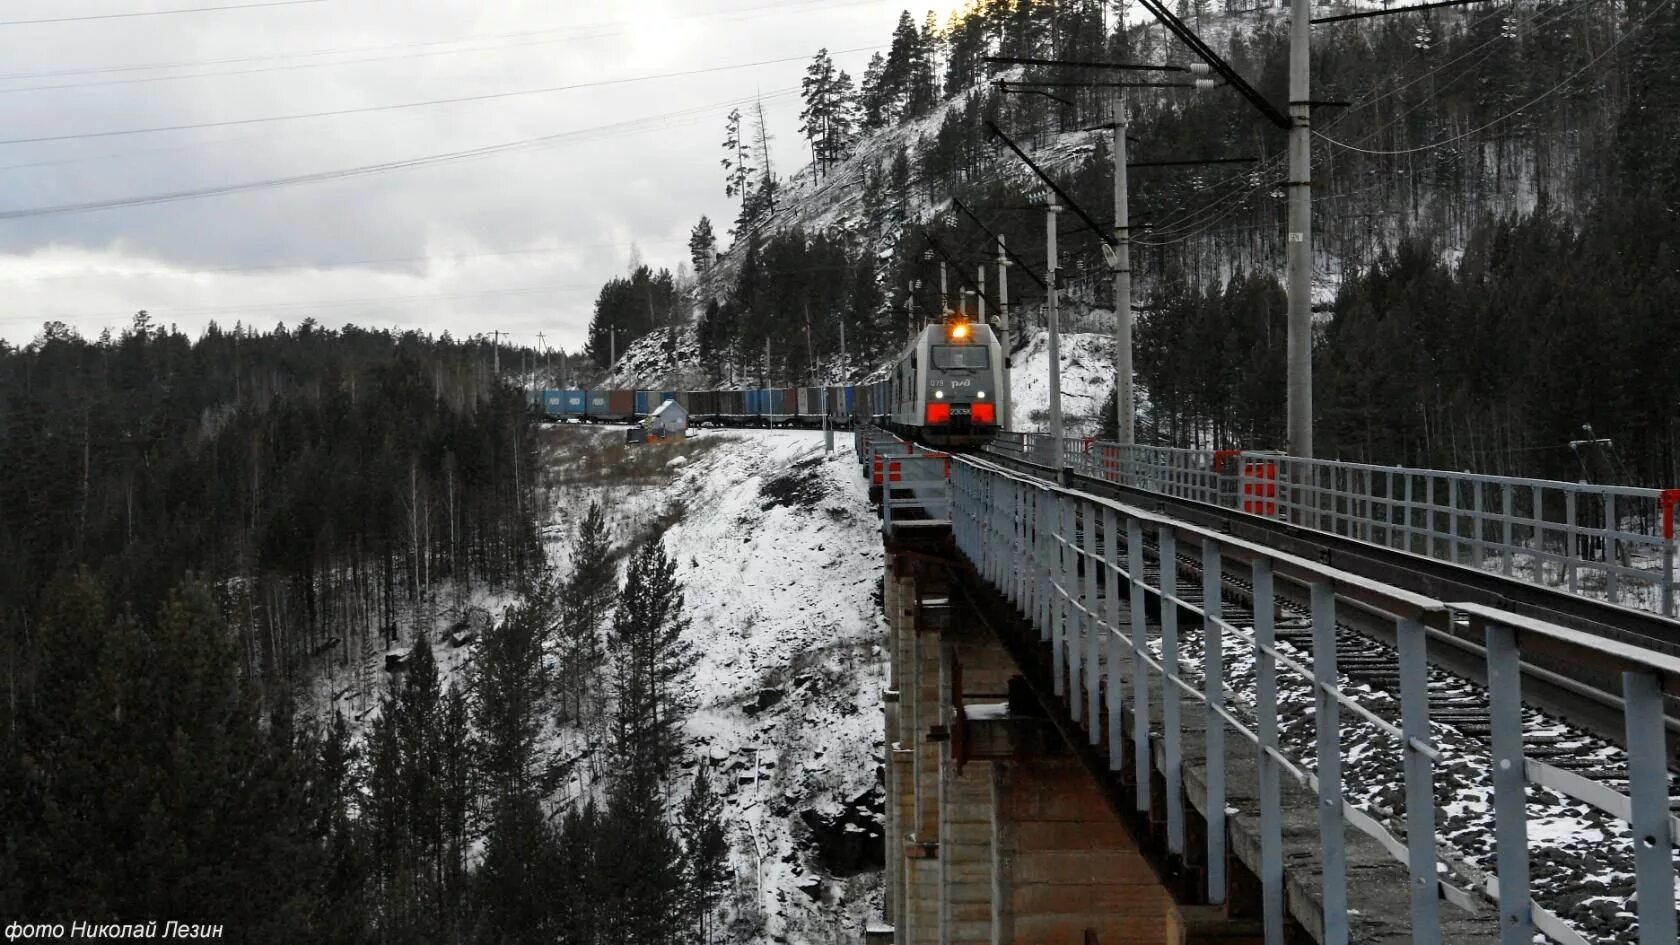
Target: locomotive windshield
960, 357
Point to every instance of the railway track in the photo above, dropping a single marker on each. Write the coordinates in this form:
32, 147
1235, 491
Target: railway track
1571, 690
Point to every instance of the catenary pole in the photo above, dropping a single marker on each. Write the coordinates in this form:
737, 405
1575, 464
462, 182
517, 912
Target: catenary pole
1051, 213
1003, 321
1125, 420
1299, 247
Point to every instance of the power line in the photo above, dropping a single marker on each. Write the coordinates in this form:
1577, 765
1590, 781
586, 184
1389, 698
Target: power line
363, 170
284, 308
1545, 19
329, 265
1364, 14
292, 67
396, 106
1636, 27
124, 16
558, 34
1210, 214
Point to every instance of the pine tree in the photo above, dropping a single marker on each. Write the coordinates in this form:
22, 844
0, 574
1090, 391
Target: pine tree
579, 894
872, 96
510, 684
650, 659
899, 70
737, 161
457, 760
840, 130
705, 853
817, 91
410, 795
586, 599
639, 867
702, 247
518, 903
336, 784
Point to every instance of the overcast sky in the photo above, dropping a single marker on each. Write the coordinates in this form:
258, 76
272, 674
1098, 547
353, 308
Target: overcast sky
517, 240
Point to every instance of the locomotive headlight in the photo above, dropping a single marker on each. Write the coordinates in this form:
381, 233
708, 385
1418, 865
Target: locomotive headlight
939, 395
959, 331
980, 394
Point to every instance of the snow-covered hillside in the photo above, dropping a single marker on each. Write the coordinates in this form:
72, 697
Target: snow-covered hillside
661, 360
780, 556
1087, 378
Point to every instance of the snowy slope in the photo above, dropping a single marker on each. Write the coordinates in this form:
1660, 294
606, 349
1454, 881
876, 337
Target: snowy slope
780, 556
1087, 360
660, 360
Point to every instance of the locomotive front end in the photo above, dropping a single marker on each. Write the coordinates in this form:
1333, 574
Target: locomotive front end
961, 384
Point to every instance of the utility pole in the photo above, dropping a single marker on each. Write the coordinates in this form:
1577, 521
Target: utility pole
1053, 211
910, 310
810, 352
1299, 249
944, 292
612, 346
1125, 420
496, 356
1003, 321
828, 431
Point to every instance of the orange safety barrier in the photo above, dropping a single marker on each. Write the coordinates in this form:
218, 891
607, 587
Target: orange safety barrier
1259, 487
1111, 463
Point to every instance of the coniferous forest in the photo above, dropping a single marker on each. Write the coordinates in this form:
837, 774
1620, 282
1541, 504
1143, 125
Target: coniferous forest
190, 530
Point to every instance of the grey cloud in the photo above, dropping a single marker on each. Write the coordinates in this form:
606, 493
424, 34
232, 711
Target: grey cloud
647, 187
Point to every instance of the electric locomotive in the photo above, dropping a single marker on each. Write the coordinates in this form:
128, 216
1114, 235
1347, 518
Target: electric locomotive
943, 388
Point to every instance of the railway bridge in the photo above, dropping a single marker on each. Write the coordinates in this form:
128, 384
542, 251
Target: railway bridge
1122, 710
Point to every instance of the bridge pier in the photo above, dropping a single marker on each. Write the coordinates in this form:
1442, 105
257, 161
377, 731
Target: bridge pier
996, 833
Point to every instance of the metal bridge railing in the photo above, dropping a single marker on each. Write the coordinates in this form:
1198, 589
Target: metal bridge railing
914, 483
1079, 568
1611, 541
1607, 540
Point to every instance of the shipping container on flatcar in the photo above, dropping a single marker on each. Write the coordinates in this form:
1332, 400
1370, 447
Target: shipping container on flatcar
574, 404
647, 401
732, 404
553, 404
595, 406
621, 405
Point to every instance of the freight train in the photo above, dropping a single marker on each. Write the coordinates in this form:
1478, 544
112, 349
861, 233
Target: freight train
943, 389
